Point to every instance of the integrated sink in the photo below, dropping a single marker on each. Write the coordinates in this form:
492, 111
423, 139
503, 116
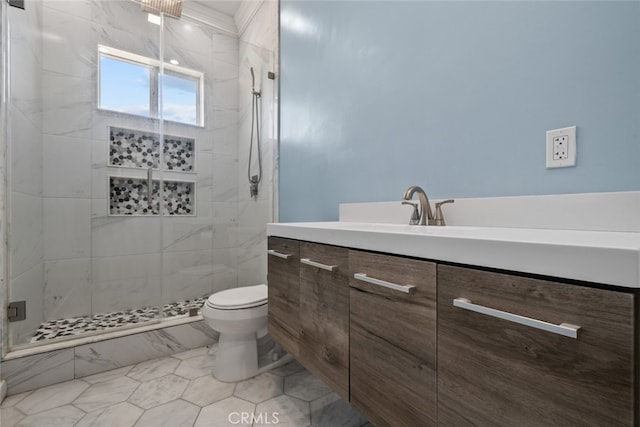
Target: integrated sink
594, 256
518, 235
390, 228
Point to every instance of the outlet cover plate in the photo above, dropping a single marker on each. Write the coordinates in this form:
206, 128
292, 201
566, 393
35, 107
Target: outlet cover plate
561, 159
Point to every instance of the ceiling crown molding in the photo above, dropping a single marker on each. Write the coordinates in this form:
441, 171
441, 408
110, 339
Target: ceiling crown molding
207, 15
245, 14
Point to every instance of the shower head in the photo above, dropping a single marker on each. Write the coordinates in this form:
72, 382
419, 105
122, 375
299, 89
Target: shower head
172, 8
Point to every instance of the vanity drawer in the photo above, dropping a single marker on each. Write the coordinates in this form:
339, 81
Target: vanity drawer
496, 369
284, 292
393, 339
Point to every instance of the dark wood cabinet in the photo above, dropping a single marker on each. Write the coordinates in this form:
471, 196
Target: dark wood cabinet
497, 372
383, 331
284, 292
393, 339
324, 314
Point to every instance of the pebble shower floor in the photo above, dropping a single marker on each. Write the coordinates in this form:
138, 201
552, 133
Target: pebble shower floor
105, 321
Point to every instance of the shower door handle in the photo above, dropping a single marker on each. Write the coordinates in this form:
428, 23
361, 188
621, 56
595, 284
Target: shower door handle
149, 187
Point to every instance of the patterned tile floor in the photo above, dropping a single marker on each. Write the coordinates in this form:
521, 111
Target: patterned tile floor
103, 321
179, 391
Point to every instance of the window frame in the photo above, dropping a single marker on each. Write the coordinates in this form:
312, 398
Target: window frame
155, 74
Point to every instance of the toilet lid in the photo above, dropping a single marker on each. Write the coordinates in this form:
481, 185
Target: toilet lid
243, 297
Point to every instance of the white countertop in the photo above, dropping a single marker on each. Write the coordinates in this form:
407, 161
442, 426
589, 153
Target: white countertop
611, 258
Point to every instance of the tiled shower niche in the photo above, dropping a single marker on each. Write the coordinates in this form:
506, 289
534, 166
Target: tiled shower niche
129, 196
141, 149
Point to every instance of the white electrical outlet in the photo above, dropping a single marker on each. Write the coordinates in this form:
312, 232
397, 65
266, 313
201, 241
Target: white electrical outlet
561, 147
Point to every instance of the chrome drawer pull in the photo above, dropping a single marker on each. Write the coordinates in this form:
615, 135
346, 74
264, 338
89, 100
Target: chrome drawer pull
278, 254
564, 329
318, 265
409, 289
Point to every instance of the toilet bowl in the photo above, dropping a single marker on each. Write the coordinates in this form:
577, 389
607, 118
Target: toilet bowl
239, 314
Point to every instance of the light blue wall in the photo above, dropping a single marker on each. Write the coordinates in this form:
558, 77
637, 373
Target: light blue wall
455, 97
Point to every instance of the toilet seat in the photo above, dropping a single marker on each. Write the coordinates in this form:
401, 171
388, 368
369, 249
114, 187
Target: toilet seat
239, 298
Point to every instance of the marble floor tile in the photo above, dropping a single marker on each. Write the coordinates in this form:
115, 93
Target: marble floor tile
196, 367
190, 396
227, 412
106, 393
258, 389
287, 410
9, 417
158, 391
288, 369
10, 401
305, 386
200, 351
331, 411
172, 414
206, 390
213, 349
121, 415
155, 368
62, 416
51, 397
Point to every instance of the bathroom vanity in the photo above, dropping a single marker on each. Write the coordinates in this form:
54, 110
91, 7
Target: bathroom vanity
457, 326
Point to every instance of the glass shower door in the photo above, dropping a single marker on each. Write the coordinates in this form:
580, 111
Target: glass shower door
194, 225
84, 238
126, 167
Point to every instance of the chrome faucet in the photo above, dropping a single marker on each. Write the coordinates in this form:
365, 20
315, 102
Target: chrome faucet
425, 215
422, 214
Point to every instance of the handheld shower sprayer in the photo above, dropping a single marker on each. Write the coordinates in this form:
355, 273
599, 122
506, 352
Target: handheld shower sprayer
253, 83
254, 180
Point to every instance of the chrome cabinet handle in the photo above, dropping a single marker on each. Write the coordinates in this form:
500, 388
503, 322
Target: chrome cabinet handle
408, 289
318, 265
564, 329
278, 254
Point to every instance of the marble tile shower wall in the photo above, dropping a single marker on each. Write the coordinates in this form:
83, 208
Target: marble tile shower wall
94, 262
258, 49
26, 269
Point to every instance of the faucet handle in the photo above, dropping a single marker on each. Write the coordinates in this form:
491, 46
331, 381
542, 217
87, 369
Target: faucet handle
439, 219
415, 216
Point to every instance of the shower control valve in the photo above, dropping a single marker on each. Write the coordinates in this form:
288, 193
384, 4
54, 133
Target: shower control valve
253, 186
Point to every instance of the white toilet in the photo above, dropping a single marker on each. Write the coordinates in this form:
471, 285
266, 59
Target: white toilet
239, 314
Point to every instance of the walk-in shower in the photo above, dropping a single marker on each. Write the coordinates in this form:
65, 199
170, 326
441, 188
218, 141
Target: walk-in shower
127, 136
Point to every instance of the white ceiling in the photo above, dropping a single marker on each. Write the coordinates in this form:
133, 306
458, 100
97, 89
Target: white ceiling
228, 7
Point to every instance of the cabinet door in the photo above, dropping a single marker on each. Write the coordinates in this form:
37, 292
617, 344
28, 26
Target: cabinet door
393, 339
324, 314
284, 293
496, 372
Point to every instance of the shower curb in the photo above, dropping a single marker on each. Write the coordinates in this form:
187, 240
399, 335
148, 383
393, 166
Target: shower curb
51, 367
